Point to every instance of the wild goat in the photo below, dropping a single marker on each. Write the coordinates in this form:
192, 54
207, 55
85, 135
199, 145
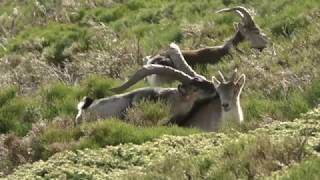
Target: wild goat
209, 114
181, 99
246, 30
206, 113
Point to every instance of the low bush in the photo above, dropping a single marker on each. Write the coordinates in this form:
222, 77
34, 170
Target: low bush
18, 115
99, 134
148, 113
308, 169
53, 41
247, 158
7, 94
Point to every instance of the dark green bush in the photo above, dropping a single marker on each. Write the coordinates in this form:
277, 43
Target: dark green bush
6, 95
18, 115
59, 99
99, 87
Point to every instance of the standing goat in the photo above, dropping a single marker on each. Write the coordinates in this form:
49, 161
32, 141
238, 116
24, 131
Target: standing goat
246, 30
181, 99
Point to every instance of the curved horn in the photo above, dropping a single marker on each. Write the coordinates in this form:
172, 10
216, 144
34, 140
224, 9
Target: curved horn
150, 69
222, 79
234, 75
242, 12
180, 63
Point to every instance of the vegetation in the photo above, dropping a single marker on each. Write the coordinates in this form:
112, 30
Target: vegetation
52, 53
305, 170
257, 154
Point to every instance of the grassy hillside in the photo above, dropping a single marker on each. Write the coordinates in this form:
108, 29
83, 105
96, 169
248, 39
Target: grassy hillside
261, 153
52, 53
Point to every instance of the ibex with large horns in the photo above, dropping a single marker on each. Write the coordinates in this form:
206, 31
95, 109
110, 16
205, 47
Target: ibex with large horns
181, 99
245, 30
209, 112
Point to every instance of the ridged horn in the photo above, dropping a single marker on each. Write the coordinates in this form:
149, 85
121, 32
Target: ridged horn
242, 12
150, 69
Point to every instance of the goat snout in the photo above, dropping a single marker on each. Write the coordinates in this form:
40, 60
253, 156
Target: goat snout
261, 49
226, 106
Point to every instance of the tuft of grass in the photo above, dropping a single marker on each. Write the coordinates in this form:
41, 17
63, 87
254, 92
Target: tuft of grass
308, 169
281, 107
148, 113
98, 86
7, 94
288, 26
59, 99
100, 134
52, 41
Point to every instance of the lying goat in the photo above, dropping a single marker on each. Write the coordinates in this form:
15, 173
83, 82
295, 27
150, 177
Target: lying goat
181, 99
246, 30
209, 114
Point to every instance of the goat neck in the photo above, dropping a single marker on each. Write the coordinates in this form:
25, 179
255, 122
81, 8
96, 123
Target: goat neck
212, 55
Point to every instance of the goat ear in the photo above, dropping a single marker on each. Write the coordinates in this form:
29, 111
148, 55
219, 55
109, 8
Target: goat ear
240, 82
236, 26
182, 89
234, 75
215, 81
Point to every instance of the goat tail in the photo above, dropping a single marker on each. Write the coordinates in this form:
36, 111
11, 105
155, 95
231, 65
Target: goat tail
85, 103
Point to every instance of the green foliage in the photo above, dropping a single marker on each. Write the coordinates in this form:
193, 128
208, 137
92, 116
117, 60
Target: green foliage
112, 15
55, 100
18, 116
56, 33
258, 154
99, 134
148, 113
53, 40
6, 95
98, 87
287, 26
247, 158
250, 158
59, 99
308, 169
282, 107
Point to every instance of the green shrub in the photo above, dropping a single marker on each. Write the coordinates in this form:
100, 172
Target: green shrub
99, 134
246, 158
151, 16
109, 15
59, 99
113, 132
6, 95
54, 39
18, 115
98, 86
308, 169
135, 5
160, 35
289, 25
148, 113
281, 107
